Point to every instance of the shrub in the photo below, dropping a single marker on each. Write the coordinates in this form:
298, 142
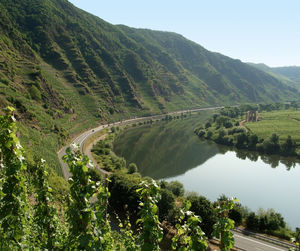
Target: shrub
123, 192
207, 125
241, 140
252, 141
132, 168
209, 134
288, 148
204, 208
176, 188
201, 133
166, 203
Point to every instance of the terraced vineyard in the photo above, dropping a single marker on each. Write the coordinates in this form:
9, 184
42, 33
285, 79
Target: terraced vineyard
283, 123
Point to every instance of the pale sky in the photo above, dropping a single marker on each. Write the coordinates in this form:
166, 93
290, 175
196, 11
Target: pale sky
258, 31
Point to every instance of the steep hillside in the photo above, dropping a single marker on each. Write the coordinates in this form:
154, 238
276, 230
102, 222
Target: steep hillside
225, 77
64, 69
291, 72
289, 75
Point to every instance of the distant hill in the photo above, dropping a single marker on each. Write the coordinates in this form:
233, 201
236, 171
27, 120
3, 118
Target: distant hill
64, 69
291, 72
287, 74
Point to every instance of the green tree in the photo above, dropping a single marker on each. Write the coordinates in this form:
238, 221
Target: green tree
209, 134
207, 125
176, 188
236, 214
269, 220
252, 221
252, 141
204, 208
271, 145
166, 203
132, 168
241, 140
288, 148
221, 136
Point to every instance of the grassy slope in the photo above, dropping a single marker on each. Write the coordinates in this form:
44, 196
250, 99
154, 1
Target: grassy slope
283, 123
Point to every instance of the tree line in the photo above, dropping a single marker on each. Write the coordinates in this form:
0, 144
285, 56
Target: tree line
225, 129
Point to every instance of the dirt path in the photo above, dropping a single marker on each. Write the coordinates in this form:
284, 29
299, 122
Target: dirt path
242, 125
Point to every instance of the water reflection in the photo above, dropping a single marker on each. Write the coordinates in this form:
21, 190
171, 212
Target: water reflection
168, 149
164, 150
272, 160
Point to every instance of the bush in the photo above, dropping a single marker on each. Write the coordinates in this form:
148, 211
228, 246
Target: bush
176, 188
166, 203
236, 215
252, 221
207, 125
228, 124
123, 192
204, 208
271, 145
209, 134
241, 140
201, 133
288, 148
270, 220
132, 168
252, 141
265, 221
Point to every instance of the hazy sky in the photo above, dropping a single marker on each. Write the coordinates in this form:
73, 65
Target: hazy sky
259, 31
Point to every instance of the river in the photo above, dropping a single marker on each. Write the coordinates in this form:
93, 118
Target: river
171, 151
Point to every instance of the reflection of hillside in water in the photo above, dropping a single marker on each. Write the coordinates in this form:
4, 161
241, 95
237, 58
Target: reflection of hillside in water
272, 160
168, 149
165, 149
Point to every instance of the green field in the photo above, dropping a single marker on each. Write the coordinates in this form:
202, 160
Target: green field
283, 123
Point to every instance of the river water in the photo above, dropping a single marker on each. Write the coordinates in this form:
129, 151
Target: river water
171, 151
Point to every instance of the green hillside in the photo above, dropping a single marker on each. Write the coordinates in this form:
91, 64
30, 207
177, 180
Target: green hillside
291, 72
64, 70
290, 75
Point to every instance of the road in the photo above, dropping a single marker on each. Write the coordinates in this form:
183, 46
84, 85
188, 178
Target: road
248, 240
248, 243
